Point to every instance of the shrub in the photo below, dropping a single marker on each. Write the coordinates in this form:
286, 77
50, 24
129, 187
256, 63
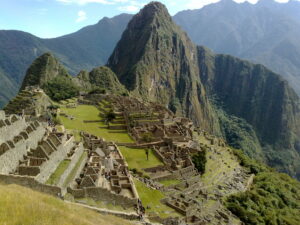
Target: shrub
147, 137
61, 88
199, 160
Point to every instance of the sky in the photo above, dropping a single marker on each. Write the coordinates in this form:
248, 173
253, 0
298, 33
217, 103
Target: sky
53, 18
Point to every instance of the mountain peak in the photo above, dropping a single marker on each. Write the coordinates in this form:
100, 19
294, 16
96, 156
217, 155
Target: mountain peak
148, 14
43, 69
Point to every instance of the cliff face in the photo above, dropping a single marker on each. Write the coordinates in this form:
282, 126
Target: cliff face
262, 98
156, 61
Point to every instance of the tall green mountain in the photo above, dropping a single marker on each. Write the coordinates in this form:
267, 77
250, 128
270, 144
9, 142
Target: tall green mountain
84, 49
252, 107
157, 61
49, 74
267, 33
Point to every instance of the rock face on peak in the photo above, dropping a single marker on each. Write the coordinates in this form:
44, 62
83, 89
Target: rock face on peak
249, 105
155, 60
43, 69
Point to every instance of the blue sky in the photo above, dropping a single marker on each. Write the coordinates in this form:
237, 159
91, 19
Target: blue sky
52, 18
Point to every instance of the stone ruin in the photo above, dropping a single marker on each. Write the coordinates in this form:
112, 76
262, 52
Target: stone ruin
31, 152
105, 171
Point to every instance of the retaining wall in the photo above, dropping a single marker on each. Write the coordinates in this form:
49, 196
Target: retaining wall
31, 183
48, 167
9, 161
101, 194
74, 159
8, 132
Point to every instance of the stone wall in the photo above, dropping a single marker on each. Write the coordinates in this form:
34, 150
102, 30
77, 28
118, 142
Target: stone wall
31, 183
48, 167
75, 157
2, 115
8, 132
101, 194
9, 161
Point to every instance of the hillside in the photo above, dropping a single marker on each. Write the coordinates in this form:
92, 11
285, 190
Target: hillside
265, 33
163, 65
84, 49
27, 207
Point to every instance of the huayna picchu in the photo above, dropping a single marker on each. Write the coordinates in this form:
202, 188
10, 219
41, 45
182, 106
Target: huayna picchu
163, 134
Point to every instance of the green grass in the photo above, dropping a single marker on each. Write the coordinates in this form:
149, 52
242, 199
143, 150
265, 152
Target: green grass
136, 158
105, 205
89, 112
170, 182
54, 178
23, 206
71, 176
151, 198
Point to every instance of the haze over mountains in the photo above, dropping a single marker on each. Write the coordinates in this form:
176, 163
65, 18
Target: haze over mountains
84, 49
267, 33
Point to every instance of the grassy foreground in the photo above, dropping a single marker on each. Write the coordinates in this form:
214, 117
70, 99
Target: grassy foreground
22, 206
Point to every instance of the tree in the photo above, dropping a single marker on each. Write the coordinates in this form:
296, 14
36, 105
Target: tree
199, 160
109, 116
61, 88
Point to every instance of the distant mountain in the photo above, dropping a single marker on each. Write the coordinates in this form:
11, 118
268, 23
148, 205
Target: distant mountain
267, 33
249, 105
84, 49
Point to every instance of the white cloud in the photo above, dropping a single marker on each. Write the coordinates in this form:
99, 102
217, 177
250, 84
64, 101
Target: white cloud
84, 2
129, 8
197, 4
81, 16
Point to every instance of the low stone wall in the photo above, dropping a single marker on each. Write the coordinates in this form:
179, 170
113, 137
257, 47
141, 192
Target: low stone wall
71, 166
8, 132
2, 115
56, 157
101, 194
9, 161
31, 183
117, 127
93, 121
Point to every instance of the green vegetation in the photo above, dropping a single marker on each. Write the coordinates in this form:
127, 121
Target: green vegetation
240, 135
61, 88
137, 158
274, 199
109, 116
151, 200
199, 160
105, 205
54, 178
169, 182
22, 206
72, 174
89, 112
253, 166
147, 137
